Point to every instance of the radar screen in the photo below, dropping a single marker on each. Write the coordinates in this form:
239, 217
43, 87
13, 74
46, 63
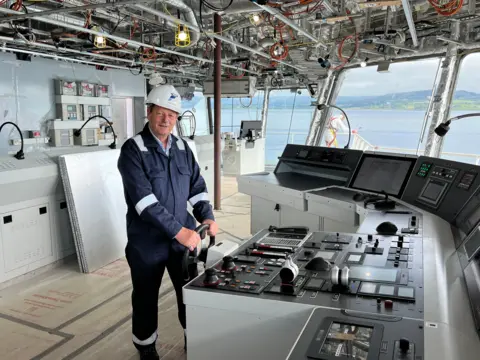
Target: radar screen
347, 341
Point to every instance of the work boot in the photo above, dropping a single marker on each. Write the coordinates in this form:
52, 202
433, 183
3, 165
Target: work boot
149, 353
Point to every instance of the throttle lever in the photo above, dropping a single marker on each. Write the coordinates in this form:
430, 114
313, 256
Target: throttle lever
190, 258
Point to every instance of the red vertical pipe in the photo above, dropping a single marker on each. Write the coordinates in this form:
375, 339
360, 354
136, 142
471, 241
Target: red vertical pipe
217, 93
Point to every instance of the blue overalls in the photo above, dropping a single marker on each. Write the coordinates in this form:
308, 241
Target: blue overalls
158, 183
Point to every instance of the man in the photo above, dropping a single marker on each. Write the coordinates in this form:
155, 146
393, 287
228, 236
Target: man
160, 174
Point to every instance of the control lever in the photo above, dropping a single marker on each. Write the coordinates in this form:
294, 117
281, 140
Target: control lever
190, 258
340, 277
289, 271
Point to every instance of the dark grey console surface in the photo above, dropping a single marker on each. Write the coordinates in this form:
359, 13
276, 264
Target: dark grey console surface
385, 272
442, 187
294, 181
338, 193
332, 335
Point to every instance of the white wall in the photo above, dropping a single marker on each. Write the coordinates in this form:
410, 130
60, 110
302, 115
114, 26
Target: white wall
27, 95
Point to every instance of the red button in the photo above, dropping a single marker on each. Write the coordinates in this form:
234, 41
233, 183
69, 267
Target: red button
388, 304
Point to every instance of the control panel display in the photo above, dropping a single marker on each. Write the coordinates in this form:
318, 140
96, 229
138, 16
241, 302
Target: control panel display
433, 192
467, 180
347, 341
379, 174
424, 169
71, 112
369, 273
444, 173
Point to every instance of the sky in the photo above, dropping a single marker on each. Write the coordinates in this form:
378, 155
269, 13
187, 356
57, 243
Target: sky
408, 76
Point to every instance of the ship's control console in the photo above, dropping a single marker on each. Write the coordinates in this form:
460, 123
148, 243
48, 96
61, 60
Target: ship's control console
402, 284
377, 276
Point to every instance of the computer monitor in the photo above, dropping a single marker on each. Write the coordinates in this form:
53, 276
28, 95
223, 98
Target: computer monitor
246, 125
383, 173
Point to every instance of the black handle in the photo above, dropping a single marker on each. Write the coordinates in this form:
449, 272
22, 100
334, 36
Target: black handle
190, 257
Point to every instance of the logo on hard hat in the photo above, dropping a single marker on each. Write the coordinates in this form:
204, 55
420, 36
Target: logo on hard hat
172, 97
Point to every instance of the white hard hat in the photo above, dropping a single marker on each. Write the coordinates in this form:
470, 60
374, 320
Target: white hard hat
165, 96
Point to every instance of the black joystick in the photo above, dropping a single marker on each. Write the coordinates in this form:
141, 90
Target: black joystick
376, 243
404, 345
228, 263
211, 278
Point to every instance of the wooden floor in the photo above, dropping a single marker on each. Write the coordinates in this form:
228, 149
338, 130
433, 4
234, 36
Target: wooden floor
64, 314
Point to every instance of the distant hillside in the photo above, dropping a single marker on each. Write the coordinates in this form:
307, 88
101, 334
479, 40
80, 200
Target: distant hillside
413, 100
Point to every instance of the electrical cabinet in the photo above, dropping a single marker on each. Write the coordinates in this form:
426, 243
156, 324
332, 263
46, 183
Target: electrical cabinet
63, 87
62, 137
32, 223
87, 137
69, 112
90, 111
102, 90
86, 89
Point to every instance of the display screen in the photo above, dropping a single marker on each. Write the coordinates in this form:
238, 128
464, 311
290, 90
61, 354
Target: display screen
355, 258
406, 292
327, 255
383, 174
386, 290
347, 341
369, 273
467, 180
71, 108
368, 288
433, 191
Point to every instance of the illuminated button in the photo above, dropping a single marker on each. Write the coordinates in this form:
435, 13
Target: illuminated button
237, 281
388, 304
386, 290
406, 292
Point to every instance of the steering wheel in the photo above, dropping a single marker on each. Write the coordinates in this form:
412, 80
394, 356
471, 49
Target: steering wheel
190, 258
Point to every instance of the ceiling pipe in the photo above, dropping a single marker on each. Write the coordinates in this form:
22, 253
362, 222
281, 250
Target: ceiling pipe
20, 16
64, 58
411, 24
122, 40
100, 56
214, 35
60, 17
290, 23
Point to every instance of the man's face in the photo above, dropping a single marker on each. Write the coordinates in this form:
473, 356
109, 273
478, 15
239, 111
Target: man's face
161, 120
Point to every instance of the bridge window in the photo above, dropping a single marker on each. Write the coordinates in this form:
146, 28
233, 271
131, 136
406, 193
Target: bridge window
196, 104
289, 116
386, 109
461, 142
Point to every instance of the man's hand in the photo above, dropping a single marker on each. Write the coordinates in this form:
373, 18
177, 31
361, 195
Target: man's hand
213, 227
188, 238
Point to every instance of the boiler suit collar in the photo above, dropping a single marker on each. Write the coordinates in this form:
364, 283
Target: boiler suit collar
169, 141
152, 141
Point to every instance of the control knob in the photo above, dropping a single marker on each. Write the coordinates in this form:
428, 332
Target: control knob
211, 278
289, 271
228, 263
404, 345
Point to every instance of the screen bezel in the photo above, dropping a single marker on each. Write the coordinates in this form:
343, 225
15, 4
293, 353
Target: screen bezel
412, 160
318, 341
430, 202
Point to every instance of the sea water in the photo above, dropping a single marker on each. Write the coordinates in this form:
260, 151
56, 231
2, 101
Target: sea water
400, 129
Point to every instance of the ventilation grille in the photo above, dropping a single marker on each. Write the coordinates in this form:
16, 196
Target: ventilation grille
292, 240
